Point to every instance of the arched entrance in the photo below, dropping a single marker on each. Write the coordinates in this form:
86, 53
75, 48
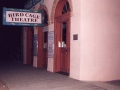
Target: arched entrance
62, 37
42, 43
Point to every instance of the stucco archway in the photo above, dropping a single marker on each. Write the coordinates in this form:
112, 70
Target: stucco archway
54, 7
62, 37
42, 40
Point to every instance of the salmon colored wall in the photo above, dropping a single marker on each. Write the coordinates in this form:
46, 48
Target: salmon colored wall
95, 56
36, 7
75, 44
35, 58
100, 40
48, 4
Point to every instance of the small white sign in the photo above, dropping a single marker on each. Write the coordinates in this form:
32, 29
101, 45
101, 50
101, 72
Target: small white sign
23, 17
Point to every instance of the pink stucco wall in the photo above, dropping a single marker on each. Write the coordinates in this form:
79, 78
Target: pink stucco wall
100, 40
95, 56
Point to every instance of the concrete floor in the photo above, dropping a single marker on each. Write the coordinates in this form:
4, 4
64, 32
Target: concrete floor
25, 77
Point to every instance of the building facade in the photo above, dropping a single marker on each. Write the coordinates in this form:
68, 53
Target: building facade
79, 37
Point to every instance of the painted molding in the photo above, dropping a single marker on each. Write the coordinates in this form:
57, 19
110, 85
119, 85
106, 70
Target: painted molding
43, 7
54, 7
30, 3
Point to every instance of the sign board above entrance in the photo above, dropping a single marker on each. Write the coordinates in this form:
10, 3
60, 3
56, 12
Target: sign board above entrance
31, 3
22, 17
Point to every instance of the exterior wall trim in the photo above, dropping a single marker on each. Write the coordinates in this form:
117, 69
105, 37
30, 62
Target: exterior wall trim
54, 8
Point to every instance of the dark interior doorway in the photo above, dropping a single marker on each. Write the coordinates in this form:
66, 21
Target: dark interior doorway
10, 36
11, 44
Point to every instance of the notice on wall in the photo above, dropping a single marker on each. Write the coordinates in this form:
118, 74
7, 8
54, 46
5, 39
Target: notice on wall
35, 45
50, 44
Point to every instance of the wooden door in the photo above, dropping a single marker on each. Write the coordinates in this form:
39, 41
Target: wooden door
42, 48
62, 43
29, 45
65, 46
45, 44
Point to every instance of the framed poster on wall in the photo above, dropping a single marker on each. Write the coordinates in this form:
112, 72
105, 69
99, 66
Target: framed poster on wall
35, 45
50, 44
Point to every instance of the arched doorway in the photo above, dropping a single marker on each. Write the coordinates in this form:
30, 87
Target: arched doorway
62, 37
42, 43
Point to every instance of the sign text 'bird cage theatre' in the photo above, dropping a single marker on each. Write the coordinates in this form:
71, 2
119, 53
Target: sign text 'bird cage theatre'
22, 17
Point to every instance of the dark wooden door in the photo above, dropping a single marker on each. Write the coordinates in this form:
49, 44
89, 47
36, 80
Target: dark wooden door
29, 45
42, 48
65, 47
62, 43
45, 44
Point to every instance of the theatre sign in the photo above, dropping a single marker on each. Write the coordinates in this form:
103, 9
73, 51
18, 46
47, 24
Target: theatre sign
22, 17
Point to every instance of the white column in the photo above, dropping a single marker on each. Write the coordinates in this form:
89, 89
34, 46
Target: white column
35, 57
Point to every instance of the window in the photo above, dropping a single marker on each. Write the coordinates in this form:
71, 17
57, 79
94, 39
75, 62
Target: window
66, 8
64, 32
45, 18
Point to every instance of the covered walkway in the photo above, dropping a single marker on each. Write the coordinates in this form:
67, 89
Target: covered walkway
25, 77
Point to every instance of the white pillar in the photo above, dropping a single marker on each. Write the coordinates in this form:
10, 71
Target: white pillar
35, 58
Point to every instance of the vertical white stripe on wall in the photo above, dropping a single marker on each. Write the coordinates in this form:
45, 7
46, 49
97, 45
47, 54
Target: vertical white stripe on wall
48, 4
35, 57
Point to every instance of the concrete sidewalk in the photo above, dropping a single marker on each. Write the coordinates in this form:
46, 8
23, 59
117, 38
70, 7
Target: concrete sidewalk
3, 86
25, 77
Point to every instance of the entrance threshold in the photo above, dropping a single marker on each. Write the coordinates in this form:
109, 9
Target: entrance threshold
63, 73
